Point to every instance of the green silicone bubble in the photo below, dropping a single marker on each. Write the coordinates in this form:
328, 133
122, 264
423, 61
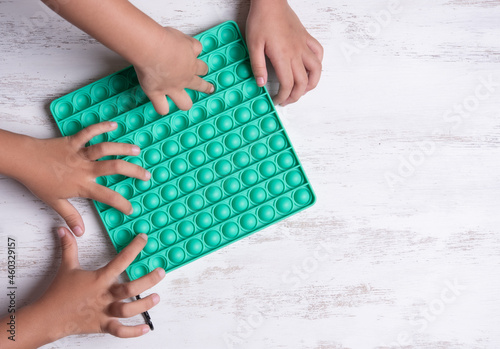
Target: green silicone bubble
168, 237
123, 237
142, 227
268, 124
267, 169
230, 230
82, 100
143, 139
176, 255
179, 166
161, 131
189, 140
249, 177
285, 160
227, 34
258, 195
125, 190
213, 194
204, 220
198, 114
277, 142
196, 202
276, 187
242, 115
239, 203
215, 106
284, 205
180, 122
159, 219
187, 184
134, 121
251, 133
186, 228
90, 118
226, 78
72, 127
177, 211
302, 196
266, 213
63, 109
232, 141
215, 149
139, 270
170, 148
223, 168
259, 151
169, 193
151, 246
222, 212
293, 178
209, 43
152, 156
248, 221
151, 201
212, 238
114, 218
231, 185
216, 62
241, 159
99, 92
161, 174
224, 123
197, 158
194, 247
244, 71
158, 262
205, 176
206, 132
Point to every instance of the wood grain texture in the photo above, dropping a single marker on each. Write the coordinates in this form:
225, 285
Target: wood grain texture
401, 141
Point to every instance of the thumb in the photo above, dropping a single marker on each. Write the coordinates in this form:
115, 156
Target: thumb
160, 102
69, 249
258, 61
69, 213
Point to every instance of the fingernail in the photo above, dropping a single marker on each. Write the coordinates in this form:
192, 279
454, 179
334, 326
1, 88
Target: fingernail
144, 236
136, 150
156, 298
161, 272
61, 232
113, 124
148, 175
212, 89
260, 81
145, 329
131, 211
77, 231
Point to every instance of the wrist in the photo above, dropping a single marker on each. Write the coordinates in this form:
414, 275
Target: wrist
17, 151
268, 4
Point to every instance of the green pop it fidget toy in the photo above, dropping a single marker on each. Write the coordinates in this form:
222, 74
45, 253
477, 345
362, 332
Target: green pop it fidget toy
220, 171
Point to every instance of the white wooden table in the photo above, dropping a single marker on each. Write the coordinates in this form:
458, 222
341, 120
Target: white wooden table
401, 141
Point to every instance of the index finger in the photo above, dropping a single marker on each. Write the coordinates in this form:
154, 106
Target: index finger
126, 256
85, 135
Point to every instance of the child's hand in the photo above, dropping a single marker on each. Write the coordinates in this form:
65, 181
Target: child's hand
275, 31
164, 58
171, 67
80, 301
61, 168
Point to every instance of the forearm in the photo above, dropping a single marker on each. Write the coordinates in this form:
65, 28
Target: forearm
117, 24
15, 151
258, 4
29, 327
